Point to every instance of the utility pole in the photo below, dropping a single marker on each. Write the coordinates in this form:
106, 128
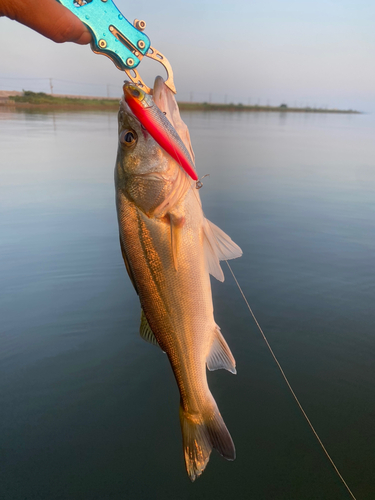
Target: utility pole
51, 86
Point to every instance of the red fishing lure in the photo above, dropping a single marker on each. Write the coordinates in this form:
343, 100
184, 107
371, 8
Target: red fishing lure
158, 126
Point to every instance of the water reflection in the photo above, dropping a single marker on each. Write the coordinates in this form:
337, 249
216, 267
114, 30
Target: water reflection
89, 410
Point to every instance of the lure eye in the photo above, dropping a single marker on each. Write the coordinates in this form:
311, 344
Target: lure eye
135, 92
128, 138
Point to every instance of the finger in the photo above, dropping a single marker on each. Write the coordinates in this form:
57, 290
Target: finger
51, 19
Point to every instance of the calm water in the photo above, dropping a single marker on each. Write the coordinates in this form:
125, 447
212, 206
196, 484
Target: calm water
90, 412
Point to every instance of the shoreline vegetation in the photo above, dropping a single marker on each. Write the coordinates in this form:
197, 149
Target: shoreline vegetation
29, 99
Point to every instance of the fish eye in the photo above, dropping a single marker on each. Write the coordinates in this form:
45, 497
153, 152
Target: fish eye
128, 137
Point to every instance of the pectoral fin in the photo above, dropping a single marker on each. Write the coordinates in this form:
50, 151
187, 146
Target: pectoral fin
176, 225
145, 330
218, 246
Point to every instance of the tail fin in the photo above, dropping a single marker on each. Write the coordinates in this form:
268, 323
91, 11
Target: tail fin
201, 433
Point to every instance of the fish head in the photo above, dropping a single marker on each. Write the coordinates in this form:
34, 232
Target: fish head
138, 153
145, 172
160, 126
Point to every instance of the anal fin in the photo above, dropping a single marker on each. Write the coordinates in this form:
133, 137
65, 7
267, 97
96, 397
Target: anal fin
220, 356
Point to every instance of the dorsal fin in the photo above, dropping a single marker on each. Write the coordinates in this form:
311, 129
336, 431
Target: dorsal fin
128, 268
218, 246
145, 330
220, 355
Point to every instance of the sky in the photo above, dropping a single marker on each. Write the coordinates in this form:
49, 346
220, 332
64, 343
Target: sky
298, 52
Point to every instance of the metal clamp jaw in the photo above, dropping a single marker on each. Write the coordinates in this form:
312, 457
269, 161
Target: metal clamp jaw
115, 37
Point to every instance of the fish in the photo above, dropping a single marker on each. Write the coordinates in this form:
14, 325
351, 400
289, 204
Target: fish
170, 249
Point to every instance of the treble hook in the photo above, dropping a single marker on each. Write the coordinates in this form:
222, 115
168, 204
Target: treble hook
199, 182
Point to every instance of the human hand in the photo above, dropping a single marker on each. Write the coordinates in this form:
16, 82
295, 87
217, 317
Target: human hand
47, 17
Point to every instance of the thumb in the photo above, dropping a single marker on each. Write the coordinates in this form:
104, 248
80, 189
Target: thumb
49, 18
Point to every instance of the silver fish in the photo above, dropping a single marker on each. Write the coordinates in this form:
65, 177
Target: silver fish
169, 249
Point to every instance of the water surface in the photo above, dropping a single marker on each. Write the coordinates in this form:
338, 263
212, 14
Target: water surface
90, 411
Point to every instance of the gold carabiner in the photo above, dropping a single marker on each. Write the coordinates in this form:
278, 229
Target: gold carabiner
156, 56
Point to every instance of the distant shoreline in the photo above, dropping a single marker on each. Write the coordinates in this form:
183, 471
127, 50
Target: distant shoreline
30, 100
191, 106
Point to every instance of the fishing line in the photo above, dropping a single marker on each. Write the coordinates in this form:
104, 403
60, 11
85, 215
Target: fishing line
289, 386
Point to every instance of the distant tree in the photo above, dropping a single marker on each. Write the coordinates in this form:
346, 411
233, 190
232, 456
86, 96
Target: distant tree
283, 106
30, 93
